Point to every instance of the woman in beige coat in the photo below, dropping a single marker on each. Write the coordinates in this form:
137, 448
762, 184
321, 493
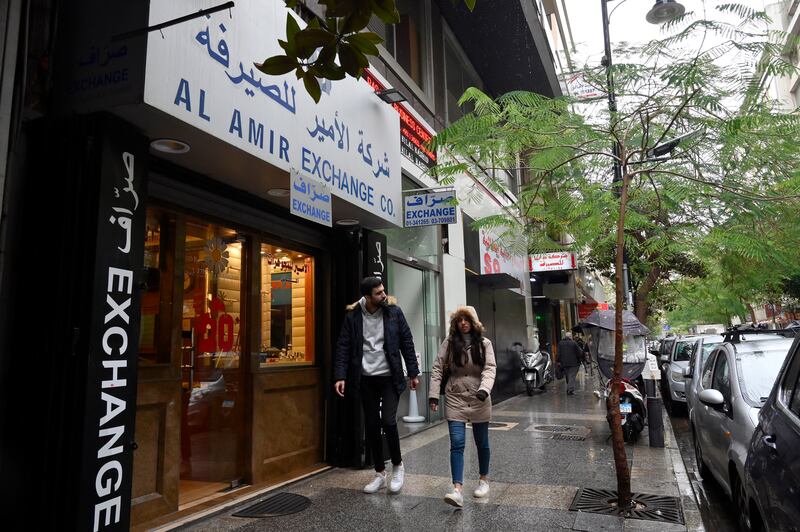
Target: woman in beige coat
467, 365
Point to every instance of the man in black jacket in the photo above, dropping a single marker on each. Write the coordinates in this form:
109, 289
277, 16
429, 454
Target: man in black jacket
367, 362
569, 356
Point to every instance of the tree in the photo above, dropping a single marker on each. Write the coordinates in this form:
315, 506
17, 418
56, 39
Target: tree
334, 46
740, 165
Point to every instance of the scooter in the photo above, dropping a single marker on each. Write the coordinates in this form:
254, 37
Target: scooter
536, 370
632, 409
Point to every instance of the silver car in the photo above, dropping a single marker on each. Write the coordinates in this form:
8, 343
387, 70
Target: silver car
700, 352
673, 365
735, 382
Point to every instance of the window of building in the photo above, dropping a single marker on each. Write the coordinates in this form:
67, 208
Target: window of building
406, 41
459, 76
287, 307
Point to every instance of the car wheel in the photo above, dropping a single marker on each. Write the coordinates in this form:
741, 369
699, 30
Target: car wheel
743, 507
702, 468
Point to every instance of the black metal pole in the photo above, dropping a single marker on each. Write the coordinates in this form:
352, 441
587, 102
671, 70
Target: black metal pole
612, 108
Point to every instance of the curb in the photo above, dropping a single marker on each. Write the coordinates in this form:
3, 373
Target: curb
688, 497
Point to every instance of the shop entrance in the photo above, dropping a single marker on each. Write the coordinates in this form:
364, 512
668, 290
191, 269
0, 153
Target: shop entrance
191, 405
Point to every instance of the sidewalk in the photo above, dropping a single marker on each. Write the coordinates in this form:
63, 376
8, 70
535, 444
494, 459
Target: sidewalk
534, 478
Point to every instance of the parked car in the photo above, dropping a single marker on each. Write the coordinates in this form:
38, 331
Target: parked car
736, 381
772, 469
700, 352
674, 363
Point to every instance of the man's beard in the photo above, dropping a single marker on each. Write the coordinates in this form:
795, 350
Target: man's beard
384, 303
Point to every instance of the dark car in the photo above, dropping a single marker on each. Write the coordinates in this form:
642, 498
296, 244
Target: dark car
772, 469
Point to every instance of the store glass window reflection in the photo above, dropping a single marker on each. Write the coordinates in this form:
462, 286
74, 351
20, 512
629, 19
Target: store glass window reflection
287, 307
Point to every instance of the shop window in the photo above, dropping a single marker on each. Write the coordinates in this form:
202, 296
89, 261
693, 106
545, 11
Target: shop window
154, 347
287, 307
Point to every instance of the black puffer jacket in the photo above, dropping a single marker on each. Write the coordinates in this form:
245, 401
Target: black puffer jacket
397, 342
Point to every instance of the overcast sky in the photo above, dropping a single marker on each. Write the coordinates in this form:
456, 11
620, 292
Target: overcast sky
628, 23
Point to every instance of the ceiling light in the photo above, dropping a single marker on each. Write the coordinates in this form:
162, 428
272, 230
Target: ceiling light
173, 146
278, 250
299, 256
390, 95
664, 11
347, 221
278, 192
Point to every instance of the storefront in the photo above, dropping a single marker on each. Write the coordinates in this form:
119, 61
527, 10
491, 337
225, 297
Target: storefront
246, 223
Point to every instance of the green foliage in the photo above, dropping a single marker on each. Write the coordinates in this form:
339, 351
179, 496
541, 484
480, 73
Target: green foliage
341, 45
717, 217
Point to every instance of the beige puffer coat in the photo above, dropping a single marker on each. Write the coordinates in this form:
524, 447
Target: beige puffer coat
463, 384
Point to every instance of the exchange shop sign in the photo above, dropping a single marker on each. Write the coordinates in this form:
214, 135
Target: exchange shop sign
430, 208
310, 199
202, 72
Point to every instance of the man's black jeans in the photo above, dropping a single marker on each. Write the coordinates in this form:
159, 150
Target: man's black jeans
377, 415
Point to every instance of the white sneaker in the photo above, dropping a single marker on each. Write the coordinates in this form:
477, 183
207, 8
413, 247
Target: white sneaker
398, 476
482, 490
379, 482
454, 498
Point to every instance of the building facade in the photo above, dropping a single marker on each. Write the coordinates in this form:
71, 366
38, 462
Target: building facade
198, 229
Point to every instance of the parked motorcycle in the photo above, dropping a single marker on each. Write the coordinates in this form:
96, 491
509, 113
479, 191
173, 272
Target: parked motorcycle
632, 409
537, 369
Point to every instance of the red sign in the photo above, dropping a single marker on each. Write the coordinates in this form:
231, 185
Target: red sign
414, 137
584, 309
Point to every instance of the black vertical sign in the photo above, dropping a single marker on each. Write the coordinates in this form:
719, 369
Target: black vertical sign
108, 435
376, 261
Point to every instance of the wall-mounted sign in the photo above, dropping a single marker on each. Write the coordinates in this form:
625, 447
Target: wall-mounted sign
584, 309
310, 199
201, 71
552, 262
430, 208
414, 137
497, 259
580, 89
376, 260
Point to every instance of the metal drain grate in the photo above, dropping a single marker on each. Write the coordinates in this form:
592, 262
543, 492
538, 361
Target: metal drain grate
554, 428
569, 437
651, 507
279, 504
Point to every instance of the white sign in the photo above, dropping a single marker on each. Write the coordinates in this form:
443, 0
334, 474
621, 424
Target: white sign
310, 199
580, 89
201, 72
497, 259
551, 262
653, 371
430, 208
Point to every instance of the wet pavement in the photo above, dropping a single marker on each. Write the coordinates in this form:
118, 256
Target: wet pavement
711, 498
534, 477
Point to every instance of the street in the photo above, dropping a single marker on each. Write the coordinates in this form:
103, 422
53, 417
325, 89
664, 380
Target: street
711, 499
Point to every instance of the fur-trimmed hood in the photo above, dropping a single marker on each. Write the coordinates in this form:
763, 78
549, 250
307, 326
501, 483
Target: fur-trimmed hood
471, 313
390, 300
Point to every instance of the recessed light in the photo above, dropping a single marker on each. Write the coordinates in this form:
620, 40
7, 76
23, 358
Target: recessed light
299, 256
278, 192
173, 146
278, 250
347, 221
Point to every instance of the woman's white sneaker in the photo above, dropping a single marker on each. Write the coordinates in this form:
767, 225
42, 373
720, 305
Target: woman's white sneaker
482, 490
379, 482
454, 498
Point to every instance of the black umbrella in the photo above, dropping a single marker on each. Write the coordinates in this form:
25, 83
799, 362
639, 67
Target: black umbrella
605, 320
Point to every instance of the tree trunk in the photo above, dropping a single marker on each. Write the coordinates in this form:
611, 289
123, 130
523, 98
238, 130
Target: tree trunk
640, 306
752, 313
613, 416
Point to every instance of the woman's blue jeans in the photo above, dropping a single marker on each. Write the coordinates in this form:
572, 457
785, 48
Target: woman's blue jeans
457, 439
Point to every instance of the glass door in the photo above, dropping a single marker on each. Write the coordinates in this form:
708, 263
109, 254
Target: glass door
213, 385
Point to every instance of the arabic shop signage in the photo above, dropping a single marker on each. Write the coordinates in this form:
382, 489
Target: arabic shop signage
495, 258
552, 262
414, 137
310, 199
201, 72
430, 208
109, 428
584, 309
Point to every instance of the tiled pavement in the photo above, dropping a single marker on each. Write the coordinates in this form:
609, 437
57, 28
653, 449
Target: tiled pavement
533, 478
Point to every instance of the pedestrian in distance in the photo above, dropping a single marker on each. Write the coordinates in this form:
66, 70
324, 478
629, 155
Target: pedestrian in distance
374, 335
569, 356
464, 372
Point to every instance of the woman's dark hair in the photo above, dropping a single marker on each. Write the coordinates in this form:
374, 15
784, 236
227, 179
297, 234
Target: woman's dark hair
368, 283
455, 350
